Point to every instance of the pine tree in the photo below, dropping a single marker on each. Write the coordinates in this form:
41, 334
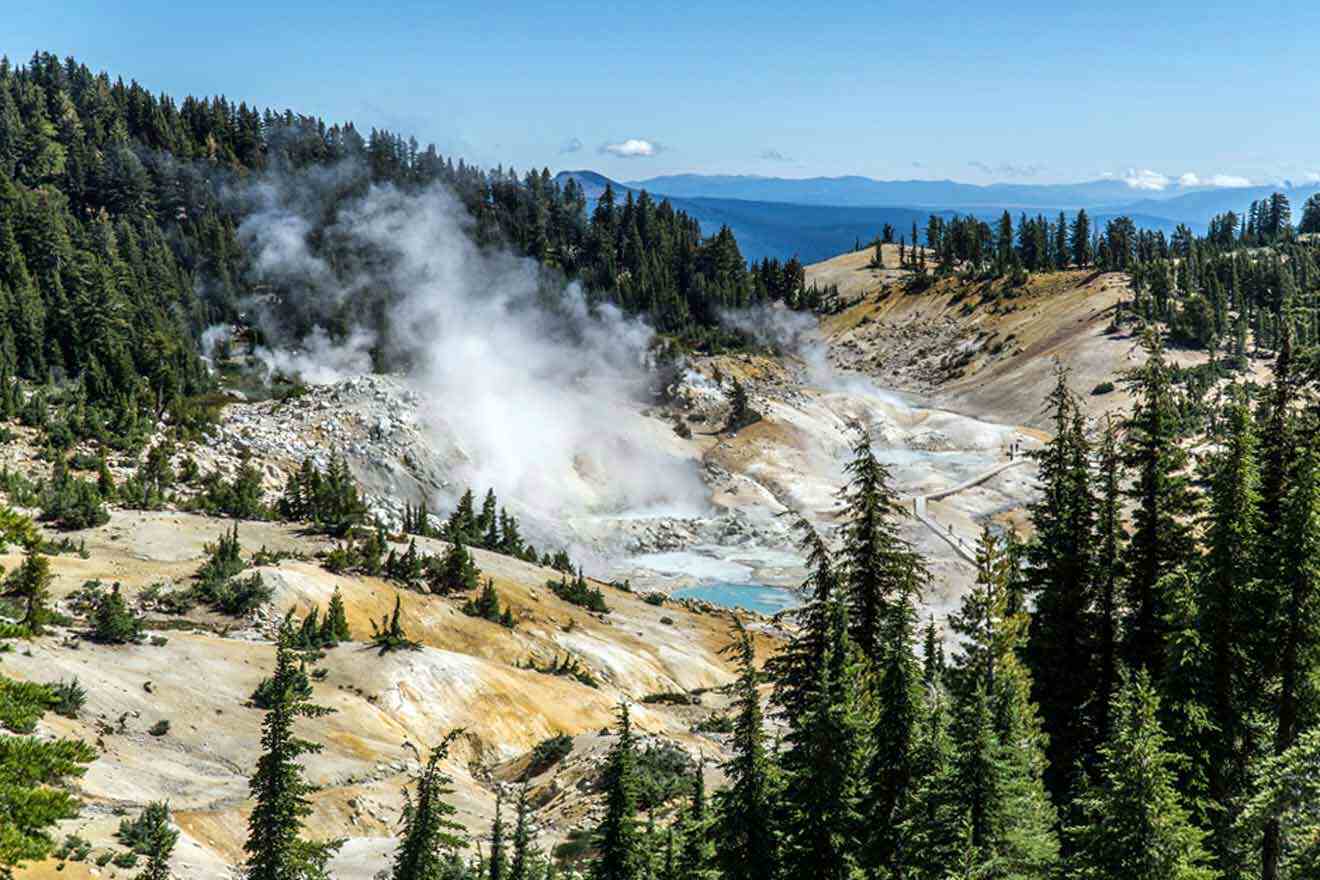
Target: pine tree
30, 585
1294, 630
159, 845
498, 868
431, 840
878, 570
1228, 608
1164, 506
823, 789
747, 846
620, 855
1061, 647
999, 764
35, 777
793, 667
695, 856
334, 628
520, 866
1109, 573
275, 849
891, 764
929, 829
458, 573
1132, 822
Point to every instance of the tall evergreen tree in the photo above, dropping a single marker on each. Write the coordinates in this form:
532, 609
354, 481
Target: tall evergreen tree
747, 839
1061, 647
620, 853
275, 848
695, 859
1132, 823
878, 570
1228, 605
1109, 573
1163, 503
823, 788
431, 840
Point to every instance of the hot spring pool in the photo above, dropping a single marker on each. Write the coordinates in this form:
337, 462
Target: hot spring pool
753, 597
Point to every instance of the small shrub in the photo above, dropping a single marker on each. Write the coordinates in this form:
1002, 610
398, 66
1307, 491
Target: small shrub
160, 728
69, 698
671, 698
547, 753
73, 849
1103, 388
22, 703
149, 830
264, 696
579, 592
114, 623
125, 860
717, 723
388, 635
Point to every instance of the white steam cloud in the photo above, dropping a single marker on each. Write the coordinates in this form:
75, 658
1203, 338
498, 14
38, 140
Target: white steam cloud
523, 391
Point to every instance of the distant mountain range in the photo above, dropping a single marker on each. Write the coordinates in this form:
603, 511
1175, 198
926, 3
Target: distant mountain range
818, 217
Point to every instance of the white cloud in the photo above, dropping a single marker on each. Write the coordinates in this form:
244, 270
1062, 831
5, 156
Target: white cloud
1145, 179
773, 155
1229, 181
632, 148
1189, 179
572, 145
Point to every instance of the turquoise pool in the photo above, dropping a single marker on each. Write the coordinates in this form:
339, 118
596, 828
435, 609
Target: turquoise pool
753, 597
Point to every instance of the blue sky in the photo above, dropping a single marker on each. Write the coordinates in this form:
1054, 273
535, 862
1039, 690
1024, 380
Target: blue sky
1027, 91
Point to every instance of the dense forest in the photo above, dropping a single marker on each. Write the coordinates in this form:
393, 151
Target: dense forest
119, 227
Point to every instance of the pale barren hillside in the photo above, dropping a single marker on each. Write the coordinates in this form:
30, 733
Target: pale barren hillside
983, 347
388, 709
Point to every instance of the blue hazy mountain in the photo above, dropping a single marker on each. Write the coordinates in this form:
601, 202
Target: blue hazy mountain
816, 218
864, 191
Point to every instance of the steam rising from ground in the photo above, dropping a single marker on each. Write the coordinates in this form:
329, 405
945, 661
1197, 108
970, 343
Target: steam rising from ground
526, 391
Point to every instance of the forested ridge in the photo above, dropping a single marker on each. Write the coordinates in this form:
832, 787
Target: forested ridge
119, 227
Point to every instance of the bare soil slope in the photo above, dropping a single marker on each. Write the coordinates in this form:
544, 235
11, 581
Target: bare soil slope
987, 348
389, 710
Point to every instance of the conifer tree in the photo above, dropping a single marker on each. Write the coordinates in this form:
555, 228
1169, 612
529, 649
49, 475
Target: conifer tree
1294, 631
1163, 502
520, 865
1228, 608
1108, 574
822, 794
498, 867
878, 570
30, 585
334, 628
1061, 647
793, 667
747, 844
1132, 823
931, 824
34, 779
998, 744
275, 848
620, 854
695, 856
431, 840
891, 763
